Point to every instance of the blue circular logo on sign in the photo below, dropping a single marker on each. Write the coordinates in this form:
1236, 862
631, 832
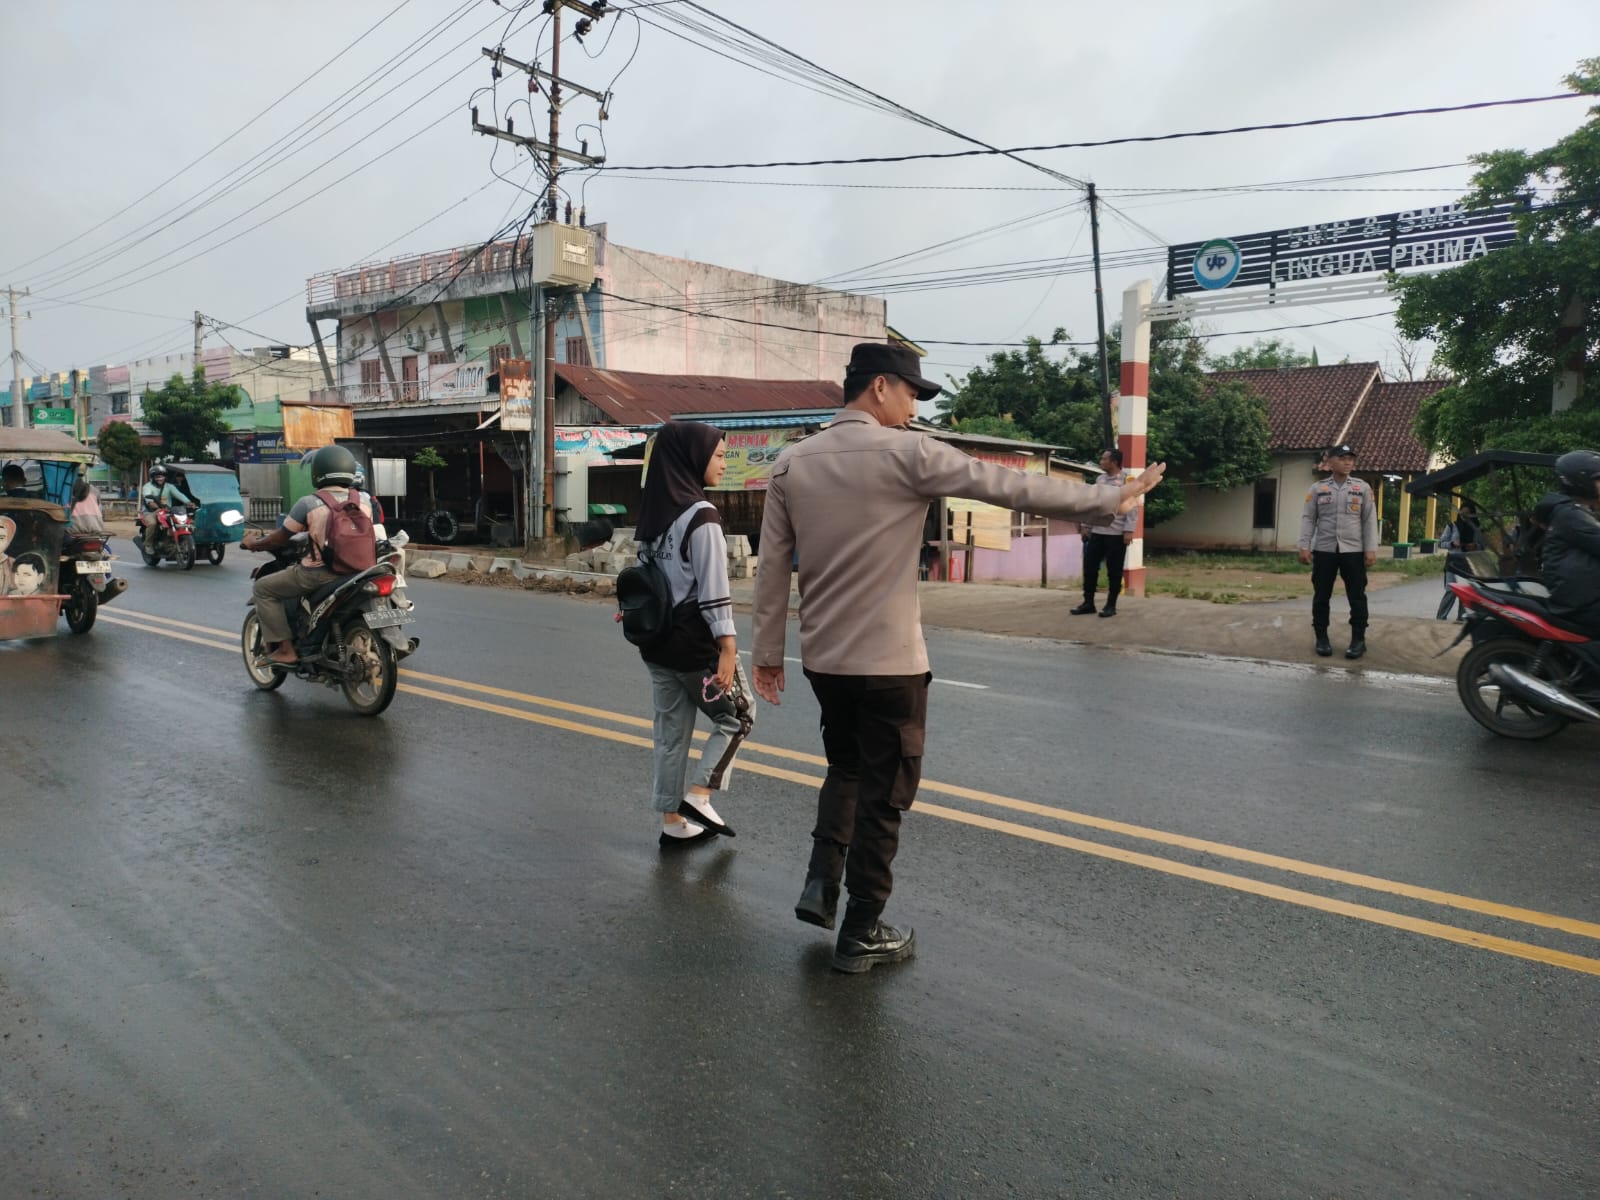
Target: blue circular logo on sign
1217, 263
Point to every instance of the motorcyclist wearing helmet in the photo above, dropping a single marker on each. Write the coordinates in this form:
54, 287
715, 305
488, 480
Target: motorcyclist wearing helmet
1570, 561
154, 496
333, 468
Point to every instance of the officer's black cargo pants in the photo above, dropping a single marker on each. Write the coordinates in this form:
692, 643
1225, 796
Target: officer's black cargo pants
1328, 565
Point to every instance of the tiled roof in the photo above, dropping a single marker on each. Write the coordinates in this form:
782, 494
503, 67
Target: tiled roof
1308, 408
1382, 431
639, 398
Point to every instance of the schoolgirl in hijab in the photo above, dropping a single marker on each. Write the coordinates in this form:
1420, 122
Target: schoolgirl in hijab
696, 669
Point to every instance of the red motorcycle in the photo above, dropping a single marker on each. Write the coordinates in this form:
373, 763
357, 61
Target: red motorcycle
1528, 674
174, 539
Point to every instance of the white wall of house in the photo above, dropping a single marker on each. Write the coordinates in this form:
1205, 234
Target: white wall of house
263, 377
663, 341
1225, 520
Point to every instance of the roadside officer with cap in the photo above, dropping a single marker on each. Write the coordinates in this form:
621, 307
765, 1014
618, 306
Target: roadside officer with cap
850, 500
1339, 539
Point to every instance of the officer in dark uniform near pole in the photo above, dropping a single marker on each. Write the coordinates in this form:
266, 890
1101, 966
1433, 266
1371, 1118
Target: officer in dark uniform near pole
1339, 539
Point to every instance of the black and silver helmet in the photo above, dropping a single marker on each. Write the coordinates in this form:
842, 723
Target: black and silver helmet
333, 466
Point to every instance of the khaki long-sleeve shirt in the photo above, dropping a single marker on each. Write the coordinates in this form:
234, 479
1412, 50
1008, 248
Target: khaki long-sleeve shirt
851, 501
1339, 517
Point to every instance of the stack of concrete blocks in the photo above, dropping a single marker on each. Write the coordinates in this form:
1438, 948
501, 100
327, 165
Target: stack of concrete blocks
619, 552
741, 563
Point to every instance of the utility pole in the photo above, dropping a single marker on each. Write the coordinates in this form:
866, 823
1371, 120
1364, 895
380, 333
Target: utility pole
546, 423
1109, 438
16, 418
199, 336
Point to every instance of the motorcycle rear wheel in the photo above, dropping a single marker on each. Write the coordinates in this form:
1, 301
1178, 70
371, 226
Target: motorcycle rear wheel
1490, 707
150, 560
373, 690
185, 554
214, 554
81, 607
265, 677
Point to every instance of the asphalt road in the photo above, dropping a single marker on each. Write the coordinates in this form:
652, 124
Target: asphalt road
1185, 929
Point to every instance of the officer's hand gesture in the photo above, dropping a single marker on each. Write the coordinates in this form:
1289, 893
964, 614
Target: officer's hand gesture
1139, 485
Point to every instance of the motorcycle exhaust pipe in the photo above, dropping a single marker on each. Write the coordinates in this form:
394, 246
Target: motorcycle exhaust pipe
1541, 693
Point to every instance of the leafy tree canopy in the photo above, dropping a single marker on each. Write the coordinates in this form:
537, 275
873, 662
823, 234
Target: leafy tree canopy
187, 413
1274, 353
1210, 435
119, 445
1497, 320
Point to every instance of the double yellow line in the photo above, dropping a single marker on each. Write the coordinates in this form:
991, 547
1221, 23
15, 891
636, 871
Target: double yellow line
524, 707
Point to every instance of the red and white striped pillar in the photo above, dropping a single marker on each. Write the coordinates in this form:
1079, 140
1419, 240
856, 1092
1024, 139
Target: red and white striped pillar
1133, 411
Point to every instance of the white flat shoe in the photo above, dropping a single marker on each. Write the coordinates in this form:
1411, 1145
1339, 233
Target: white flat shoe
698, 810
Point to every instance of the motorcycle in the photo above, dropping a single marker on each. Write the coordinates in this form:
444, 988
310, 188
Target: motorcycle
85, 578
1528, 674
174, 539
347, 634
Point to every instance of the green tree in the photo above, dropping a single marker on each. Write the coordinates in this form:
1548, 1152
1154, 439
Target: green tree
1210, 435
1497, 319
187, 413
119, 445
430, 460
1274, 353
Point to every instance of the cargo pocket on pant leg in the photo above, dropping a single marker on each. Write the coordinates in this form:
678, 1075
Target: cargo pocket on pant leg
909, 776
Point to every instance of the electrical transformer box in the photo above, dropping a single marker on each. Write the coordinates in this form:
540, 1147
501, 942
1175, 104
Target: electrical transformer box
562, 255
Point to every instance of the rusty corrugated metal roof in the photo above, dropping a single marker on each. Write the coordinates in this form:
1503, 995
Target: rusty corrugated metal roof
640, 398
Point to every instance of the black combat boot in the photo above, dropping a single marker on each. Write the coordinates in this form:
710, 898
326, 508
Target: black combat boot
865, 941
1358, 643
1324, 646
819, 899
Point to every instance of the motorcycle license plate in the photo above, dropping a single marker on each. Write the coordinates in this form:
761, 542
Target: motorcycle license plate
92, 568
382, 618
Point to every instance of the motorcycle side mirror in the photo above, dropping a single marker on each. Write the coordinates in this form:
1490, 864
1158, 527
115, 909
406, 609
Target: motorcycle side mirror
232, 517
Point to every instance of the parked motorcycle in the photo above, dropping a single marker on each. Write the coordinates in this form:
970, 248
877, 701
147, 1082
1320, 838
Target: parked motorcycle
347, 634
84, 576
174, 538
1527, 674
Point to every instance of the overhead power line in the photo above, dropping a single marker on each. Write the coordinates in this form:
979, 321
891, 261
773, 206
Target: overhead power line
1090, 145
195, 162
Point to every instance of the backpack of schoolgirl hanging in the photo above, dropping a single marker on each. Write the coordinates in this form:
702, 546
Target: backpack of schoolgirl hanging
348, 544
644, 598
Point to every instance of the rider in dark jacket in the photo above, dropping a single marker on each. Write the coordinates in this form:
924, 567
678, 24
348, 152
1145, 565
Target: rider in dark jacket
1571, 552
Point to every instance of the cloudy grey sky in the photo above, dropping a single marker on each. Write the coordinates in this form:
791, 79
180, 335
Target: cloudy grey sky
110, 101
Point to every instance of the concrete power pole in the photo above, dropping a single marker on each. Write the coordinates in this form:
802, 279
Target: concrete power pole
199, 336
590, 14
16, 418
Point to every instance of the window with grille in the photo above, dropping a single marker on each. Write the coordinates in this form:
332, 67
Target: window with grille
578, 352
498, 354
371, 377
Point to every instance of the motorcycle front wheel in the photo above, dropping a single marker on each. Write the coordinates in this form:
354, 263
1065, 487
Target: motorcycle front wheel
262, 674
81, 607
1496, 710
185, 554
374, 671
214, 554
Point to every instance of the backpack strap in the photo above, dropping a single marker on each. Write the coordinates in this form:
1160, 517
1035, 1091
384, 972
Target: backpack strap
705, 515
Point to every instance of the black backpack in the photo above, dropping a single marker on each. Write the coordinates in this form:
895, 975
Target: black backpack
670, 636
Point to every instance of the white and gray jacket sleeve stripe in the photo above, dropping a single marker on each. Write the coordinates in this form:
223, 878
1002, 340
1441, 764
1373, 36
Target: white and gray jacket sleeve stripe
708, 556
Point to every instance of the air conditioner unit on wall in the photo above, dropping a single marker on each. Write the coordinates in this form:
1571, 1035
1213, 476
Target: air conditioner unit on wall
562, 255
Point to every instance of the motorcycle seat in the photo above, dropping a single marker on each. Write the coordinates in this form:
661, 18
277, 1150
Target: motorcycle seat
1538, 605
326, 590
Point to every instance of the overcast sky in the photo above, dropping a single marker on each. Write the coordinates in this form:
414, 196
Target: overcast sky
109, 101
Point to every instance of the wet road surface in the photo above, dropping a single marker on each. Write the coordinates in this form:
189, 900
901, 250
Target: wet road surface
1185, 928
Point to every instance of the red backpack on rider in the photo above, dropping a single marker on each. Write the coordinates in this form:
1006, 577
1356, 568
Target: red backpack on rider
348, 544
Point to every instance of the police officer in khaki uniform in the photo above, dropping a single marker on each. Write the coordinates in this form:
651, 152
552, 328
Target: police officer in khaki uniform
1339, 538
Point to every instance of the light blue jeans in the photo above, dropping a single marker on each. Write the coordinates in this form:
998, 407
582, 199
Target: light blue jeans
678, 695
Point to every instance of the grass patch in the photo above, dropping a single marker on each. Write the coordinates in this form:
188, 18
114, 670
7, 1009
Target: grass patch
1188, 591
1281, 563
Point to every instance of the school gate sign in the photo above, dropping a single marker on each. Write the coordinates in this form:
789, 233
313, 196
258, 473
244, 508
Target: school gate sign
1398, 241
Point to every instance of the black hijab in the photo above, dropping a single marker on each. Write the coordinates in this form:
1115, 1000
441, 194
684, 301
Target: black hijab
676, 479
